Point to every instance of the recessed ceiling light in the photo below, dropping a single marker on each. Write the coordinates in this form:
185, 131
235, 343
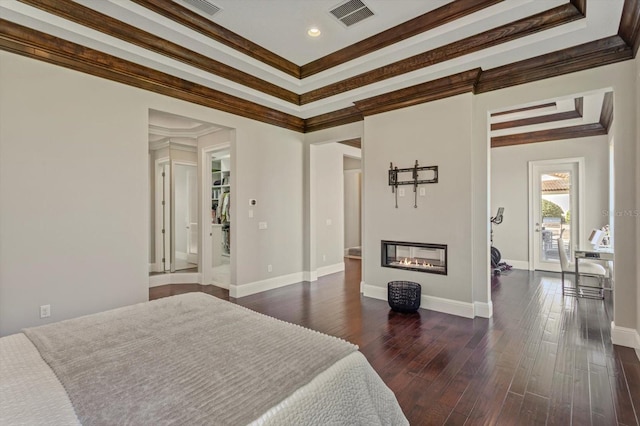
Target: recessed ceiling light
314, 32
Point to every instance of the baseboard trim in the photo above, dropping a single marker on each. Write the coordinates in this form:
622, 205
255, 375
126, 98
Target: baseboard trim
330, 269
310, 276
484, 310
623, 336
432, 303
264, 285
517, 264
175, 278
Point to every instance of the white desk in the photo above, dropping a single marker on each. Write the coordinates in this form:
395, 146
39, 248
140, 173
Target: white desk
602, 253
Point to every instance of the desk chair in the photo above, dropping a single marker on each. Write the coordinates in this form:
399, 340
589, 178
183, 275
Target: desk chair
587, 269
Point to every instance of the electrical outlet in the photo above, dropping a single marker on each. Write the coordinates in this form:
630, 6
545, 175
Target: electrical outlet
329, 222
269, 268
401, 192
250, 213
423, 191
324, 257
262, 225
45, 311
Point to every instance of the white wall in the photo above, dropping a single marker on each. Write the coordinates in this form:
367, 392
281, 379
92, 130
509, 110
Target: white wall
328, 205
73, 194
436, 134
74, 188
510, 188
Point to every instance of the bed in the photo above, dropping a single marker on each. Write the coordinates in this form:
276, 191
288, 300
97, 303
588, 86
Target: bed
187, 359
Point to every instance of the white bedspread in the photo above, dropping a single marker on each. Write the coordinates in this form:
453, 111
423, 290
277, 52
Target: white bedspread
349, 392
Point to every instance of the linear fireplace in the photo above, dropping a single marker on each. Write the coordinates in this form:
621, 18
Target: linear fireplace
431, 258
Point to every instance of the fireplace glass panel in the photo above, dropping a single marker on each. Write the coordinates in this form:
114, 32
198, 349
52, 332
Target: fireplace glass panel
423, 257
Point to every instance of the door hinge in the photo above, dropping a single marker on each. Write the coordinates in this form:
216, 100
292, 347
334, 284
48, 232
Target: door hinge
162, 174
163, 260
163, 202
163, 231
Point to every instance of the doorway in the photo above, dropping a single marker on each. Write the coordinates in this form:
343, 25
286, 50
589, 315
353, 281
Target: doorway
217, 181
555, 216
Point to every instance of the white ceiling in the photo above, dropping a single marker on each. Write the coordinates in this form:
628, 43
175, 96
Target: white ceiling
280, 26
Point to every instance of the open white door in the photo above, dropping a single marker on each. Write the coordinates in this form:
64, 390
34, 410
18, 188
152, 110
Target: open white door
554, 189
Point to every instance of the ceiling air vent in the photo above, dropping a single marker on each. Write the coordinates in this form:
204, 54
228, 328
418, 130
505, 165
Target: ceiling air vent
204, 6
351, 12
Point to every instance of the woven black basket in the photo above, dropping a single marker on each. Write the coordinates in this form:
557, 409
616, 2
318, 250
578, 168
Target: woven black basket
403, 296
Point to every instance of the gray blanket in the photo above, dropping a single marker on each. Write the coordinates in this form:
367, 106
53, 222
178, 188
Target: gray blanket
188, 359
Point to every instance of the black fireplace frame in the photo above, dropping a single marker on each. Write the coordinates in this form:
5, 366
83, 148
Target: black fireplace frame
385, 264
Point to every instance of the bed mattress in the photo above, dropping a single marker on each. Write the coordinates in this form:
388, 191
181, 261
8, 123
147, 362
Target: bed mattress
348, 391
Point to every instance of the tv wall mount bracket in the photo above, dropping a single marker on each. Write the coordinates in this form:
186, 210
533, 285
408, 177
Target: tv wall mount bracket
415, 180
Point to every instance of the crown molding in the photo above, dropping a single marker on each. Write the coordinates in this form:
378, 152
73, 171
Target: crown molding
37, 45
190, 19
90, 18
428, 21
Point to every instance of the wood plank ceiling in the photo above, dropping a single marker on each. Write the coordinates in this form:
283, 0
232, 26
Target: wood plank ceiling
24, 40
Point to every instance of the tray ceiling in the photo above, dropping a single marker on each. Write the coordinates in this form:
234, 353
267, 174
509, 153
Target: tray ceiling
257, 56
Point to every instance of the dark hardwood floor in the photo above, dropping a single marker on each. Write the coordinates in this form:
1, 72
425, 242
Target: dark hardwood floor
541, 359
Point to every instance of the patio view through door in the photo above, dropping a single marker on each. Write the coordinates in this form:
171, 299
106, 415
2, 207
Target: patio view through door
554, 188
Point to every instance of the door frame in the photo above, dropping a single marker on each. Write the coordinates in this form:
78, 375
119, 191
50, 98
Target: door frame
580, 231
206, 231
172, 216
161, 187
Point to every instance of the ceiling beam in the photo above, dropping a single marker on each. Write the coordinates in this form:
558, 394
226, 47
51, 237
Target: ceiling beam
426, 92
629, 29
533, 24
333, 119
585, 56
90, 18
202, 25
548, 118
606, 114
428, 21
34, 44
581, 131
356, 143
529, 108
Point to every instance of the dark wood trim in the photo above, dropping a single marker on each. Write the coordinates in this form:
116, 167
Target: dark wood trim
529, 108
92, 19
356, 143
606, 115
198, 23
512, 31
629, 29
34, 44
597, 53
581, 5
567, 115
426, 92
581, 131
333, 119
430, 20
579, 105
